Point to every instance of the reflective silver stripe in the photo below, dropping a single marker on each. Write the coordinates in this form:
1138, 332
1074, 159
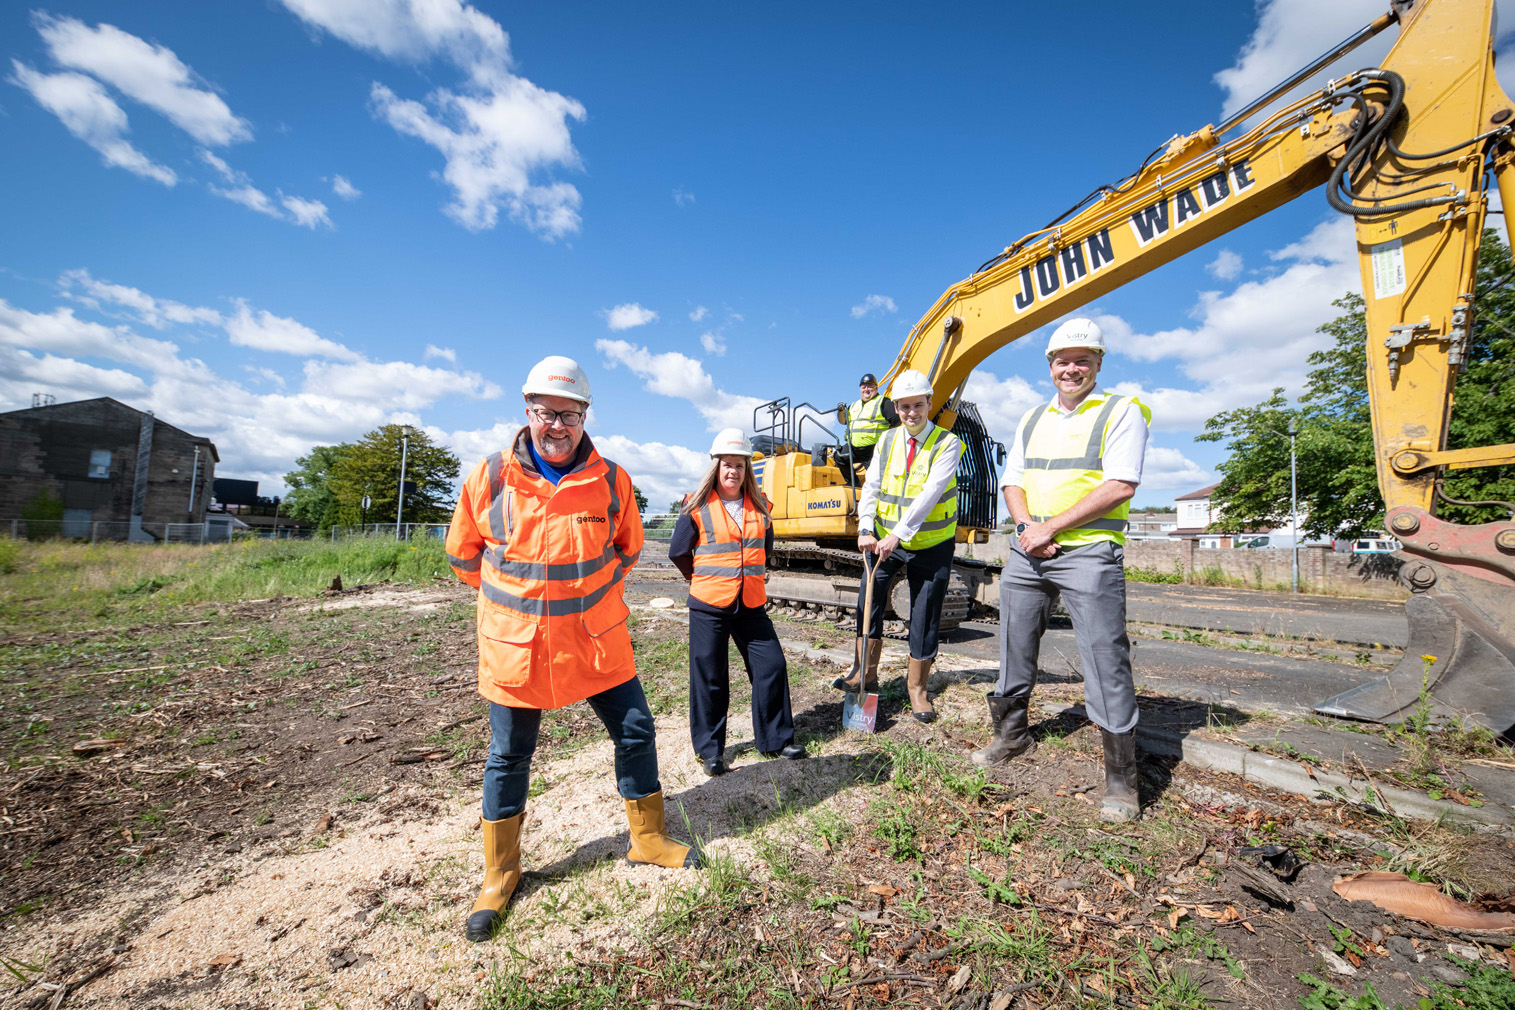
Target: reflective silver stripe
628, 560
1113, 525
745, 570
497, 498
536, 571
1031, 426
707, 525
731, 548
755, 543
465, 564
551, 608
937, 524
891, 499
611, 472
1093, 457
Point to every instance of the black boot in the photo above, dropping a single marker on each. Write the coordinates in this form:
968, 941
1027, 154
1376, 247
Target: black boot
1122, 802
1012, 736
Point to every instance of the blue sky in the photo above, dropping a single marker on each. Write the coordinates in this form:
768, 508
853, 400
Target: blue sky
282, 223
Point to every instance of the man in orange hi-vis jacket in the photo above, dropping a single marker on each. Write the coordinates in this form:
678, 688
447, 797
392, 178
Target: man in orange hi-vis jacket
547, 530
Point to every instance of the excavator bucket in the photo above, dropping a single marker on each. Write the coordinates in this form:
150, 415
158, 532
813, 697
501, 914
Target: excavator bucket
1460, 660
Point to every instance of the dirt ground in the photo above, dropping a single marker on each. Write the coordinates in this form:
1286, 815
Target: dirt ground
274, 804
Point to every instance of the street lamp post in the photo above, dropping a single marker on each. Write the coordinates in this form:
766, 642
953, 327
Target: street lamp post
400, 496
1294, 496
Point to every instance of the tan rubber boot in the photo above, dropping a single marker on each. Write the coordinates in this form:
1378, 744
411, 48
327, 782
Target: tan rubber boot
915, 683
869, 650
648, 842
502, 872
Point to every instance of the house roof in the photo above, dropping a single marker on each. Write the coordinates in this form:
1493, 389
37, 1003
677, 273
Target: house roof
1203, 492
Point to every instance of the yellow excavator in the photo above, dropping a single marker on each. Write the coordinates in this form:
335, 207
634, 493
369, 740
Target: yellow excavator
1410, 150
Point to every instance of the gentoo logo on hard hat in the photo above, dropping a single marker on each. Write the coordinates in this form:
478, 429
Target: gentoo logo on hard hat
556, 375
731, 442
562, 378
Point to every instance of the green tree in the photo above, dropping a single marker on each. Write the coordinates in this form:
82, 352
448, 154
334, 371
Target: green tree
1338, 482
640, 497
371, 466
310, 498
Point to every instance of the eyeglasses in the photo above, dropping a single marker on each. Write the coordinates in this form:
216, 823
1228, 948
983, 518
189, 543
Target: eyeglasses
569, 418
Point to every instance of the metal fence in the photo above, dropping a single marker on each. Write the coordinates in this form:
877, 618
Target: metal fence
118, 532
405, 531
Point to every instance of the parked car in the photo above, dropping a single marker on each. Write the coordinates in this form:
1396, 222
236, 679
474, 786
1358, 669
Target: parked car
1375, 545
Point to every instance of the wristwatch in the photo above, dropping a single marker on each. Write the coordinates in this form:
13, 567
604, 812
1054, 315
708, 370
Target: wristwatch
1020, 528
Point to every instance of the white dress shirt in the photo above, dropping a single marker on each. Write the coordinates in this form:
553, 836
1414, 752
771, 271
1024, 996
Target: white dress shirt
943, 468
1125, 443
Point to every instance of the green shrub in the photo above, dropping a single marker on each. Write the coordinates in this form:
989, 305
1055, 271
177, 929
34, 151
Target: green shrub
1136, 573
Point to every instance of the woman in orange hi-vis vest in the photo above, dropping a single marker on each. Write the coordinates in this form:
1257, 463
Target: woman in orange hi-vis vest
721, 544
547, 530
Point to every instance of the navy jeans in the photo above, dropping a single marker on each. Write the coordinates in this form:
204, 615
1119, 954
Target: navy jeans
513, 739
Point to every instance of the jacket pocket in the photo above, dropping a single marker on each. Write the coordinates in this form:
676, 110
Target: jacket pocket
609, 638
506, 644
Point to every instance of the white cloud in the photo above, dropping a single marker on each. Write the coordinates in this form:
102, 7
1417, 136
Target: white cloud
1246, 341
1227, 265
713, 343
699, 313
682, 197
433, 351
498, 133
309, 213
345, 189
1166, 468
663, 472
150, 74
682, 377
155, 312
1002, 402
87, 112
265, 331
257, 434
624, 317
873, 303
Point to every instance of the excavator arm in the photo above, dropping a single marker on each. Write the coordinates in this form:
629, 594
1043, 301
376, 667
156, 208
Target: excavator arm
1407, 149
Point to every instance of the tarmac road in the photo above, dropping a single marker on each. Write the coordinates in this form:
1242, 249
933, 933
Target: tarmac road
1368, 623
1223, 678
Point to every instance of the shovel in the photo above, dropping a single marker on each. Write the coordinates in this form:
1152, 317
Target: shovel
860, 708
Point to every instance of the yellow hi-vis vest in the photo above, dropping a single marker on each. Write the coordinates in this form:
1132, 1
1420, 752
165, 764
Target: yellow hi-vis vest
1065, 461
866, 422
898, 488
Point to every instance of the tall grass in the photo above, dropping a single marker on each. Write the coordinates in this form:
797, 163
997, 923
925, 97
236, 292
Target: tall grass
52, 580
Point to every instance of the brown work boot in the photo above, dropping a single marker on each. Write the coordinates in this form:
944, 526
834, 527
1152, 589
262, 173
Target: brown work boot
648, 843
502, 872
1122, 778
1012, 736
915, 683
866, 661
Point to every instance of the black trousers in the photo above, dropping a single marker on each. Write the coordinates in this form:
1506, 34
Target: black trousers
710, 636
928, 572
861, 454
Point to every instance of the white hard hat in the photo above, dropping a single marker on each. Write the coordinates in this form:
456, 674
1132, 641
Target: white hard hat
731, 442
910, 383
1076, 333
556, 375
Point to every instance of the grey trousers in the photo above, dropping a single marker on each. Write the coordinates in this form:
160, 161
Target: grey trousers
1092, 580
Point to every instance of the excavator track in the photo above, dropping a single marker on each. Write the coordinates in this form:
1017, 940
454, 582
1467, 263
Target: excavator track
813, 583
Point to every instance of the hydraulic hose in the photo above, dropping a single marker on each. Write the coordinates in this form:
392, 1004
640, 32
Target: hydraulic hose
1364, 142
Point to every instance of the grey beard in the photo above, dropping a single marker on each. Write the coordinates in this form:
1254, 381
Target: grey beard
555, 449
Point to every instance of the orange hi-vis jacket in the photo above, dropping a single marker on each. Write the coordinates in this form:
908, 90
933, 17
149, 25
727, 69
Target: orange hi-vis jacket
728, 560
548, 562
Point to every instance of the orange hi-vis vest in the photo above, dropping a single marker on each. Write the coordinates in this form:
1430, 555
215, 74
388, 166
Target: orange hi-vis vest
548, 562
728, 560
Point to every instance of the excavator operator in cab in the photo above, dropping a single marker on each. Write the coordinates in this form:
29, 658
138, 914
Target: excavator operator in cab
868, 418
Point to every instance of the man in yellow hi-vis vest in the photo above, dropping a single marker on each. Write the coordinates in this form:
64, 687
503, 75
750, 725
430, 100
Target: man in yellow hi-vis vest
907, 517
1071, 471
867, 419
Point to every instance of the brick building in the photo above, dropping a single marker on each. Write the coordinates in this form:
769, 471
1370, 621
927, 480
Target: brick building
107, 463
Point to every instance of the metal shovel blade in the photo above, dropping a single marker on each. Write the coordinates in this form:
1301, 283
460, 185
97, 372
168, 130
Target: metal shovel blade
860, 711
